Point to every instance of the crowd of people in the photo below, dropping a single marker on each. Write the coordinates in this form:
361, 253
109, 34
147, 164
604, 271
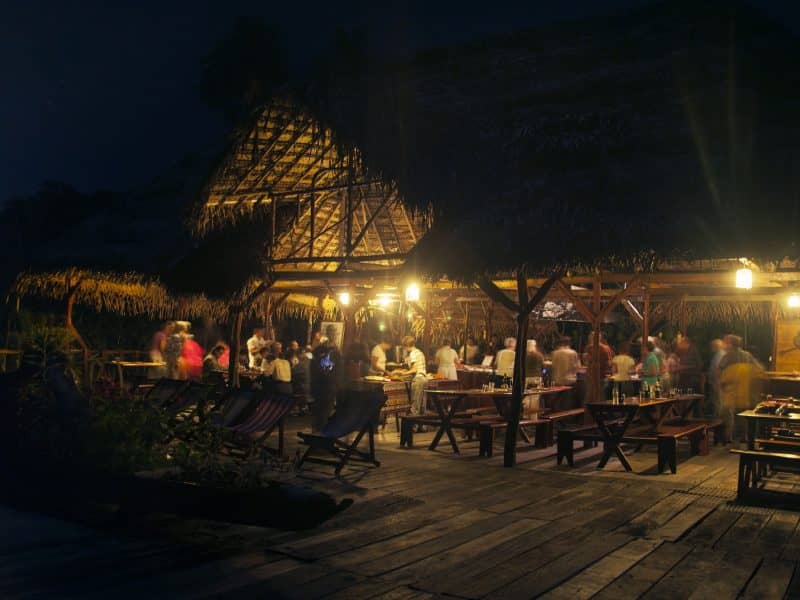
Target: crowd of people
318, 369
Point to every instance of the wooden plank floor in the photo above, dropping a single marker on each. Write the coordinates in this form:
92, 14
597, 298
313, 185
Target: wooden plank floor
436, 525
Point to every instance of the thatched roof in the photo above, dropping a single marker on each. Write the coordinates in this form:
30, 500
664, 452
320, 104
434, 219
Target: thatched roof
287, 160
671, 131
120, 293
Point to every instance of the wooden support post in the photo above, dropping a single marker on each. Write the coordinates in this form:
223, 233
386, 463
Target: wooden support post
773, 315
426, 331
645, 323
236, 347
682, 316
518, 385
596, 382
466, 331
523, 319
72, 290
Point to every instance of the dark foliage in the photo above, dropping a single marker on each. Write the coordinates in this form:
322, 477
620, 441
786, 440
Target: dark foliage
244, 68
668, 132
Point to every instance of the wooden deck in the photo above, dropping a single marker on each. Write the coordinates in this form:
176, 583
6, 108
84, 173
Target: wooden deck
431, 524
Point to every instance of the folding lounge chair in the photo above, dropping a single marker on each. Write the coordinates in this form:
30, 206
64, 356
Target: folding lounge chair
191, 399
165, 391
270, 412
356, 412
236, 406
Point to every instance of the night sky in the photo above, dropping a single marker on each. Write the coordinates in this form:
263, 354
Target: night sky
104, 96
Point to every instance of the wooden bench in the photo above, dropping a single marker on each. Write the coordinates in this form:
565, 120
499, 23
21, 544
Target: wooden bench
714, 425
667, 442
396, 410
752, 463
552, 418
489, 428
589, 434
409, 422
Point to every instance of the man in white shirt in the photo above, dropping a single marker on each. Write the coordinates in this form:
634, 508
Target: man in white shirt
504, 362
378, 357
254, 347
415, 363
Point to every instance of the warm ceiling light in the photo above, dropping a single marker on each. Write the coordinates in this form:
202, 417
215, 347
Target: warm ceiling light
744, 279
793, 301
412, 293
344, 298
384, 300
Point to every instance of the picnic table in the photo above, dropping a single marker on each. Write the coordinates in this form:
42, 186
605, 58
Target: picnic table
755, 420
448, 402
614, 420
121, 365
5, 353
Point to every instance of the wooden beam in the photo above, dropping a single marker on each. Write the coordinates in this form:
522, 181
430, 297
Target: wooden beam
496, 294
579, 304
623, 294
632, 311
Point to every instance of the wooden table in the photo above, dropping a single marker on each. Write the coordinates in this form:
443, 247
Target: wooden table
447, 403
5, 353
121, 365
613, 420
754, 420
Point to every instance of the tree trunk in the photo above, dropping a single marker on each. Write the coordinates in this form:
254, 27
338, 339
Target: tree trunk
236, 345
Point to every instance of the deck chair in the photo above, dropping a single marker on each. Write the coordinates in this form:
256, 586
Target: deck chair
189, 401
165, 391
270, 412
236, 406
356, 412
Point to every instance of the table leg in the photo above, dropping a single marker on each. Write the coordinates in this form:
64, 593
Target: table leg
121, 382
445, 425
751, 434
612, 438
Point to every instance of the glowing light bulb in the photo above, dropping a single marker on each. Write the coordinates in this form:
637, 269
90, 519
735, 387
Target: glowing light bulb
793, 301
412, 293
744, 279
344, 298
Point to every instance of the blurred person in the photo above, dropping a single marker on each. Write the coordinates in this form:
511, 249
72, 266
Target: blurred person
415, 366
739, 384
717, 348
504, 361
469, 352
174, 349
158, 346
324, 378
690, 364
621, 367
255, 345
651, 366
378, 357
300, 381
447, 362
211, 362
277, 367
356, 360
534, 363
604, 355
191, 361
293, 352
565, 363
